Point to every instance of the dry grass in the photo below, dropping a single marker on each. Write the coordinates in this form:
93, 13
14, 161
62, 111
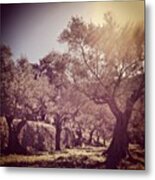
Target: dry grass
85, 158
90, 157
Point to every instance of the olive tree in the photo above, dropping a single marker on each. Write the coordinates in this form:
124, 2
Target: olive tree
108, 67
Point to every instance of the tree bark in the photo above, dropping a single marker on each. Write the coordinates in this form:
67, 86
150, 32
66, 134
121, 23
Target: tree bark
19, 149
91, 136
58, 129
13, 142
67, 137
79, 137
119, 145
57, 139
10, 148
118, 148
104, 142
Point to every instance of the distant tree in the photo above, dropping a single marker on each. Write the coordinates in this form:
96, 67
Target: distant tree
9, 100
7, 68
7, 74
97, 123
108, 67
64, 107
22, 96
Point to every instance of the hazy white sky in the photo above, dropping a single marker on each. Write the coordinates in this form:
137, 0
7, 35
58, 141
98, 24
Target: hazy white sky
32, 30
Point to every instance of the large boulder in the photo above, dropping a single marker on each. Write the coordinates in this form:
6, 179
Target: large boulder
37, 137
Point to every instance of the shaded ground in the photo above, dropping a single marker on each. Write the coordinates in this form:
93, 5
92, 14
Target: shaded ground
90, 157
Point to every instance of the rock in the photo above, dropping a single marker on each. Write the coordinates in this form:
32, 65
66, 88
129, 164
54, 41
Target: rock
37, 137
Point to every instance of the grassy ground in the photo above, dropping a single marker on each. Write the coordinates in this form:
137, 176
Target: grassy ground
70, 158
90, 157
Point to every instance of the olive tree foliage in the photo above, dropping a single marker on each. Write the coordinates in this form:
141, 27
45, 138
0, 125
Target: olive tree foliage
71, 110
7, 68
6, 76
21, 92
64, 106
108, 67
22, 96
28, 95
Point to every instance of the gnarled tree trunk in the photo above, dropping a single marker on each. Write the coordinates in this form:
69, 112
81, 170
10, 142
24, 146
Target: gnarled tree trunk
10, 148
91, 137
58, 129
57, 138
13, 142
118, 148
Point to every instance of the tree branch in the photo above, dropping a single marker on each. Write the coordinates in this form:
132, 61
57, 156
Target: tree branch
135, 96
91, 70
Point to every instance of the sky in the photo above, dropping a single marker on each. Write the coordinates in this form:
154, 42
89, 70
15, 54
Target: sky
32, 30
